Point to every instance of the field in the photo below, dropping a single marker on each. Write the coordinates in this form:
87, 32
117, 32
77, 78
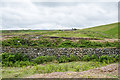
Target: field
70, 68
19, 66
105, 31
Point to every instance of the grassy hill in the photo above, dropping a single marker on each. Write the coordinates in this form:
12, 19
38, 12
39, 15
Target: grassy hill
103, 31
100, 32
111, 29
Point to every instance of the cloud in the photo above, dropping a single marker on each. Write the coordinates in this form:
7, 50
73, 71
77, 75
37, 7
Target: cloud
57, 15
61, 0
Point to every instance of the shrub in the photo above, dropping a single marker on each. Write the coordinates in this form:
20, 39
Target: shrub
67, 43
74, 58
14, 57
16, 42
63, 59
94, 57
8, 59
58, 40
42, 59
19, 60
23, 63
34, 43
117, 57
104, 58
85, 58
50, 44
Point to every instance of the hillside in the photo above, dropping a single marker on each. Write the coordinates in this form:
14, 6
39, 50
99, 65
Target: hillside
109, 31
100, 32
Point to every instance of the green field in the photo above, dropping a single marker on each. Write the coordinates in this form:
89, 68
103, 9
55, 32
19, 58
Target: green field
109, 29
101, 32
104, 31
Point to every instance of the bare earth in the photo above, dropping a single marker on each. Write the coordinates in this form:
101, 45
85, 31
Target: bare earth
105, 40
109, 71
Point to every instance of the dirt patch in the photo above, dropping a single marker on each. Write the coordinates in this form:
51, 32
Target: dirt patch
74, 39
105, 40
109, 71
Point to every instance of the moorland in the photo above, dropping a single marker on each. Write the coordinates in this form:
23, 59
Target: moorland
19, 65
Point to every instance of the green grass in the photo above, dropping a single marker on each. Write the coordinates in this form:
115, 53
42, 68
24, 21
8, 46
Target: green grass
12, 72
103, 31
100, 32
26, 32
68, 34
109, 29
103, 28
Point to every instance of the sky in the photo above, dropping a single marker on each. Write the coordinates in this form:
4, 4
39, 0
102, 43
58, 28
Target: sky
46, 15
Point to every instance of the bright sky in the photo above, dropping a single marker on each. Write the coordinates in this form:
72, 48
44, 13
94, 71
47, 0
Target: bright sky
36, 14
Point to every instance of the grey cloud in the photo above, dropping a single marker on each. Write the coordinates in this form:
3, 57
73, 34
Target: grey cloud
56, 15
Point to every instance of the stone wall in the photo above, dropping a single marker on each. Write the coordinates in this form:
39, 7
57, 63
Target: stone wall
34, 52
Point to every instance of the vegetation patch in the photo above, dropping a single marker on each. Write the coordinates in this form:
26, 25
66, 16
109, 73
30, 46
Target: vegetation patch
78, 66
19, 60
56, 43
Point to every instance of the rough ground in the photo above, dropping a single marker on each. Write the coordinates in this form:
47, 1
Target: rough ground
109, 71
105, 40
74, 39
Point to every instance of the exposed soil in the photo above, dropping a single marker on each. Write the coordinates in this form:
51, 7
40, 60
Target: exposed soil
105, 40
109, 71
74, 39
